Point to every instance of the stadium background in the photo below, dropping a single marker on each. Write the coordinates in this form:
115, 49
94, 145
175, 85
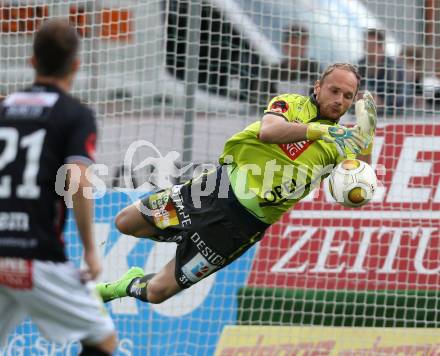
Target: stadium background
185, 75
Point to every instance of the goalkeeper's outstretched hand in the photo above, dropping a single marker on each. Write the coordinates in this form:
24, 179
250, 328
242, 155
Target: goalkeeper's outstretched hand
366, 114
351, 138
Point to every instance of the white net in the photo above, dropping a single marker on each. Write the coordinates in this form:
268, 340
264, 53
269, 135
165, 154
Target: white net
183, 76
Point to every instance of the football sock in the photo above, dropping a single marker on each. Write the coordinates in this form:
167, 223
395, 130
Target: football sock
138, 287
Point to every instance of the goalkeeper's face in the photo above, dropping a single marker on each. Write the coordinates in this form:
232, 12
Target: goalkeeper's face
336, 93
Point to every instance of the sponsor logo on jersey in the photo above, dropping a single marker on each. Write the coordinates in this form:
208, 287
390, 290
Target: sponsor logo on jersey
16, 273
158, 200
31, 99
288, 190
166, 217
200, 270
28, 105
197, 268
176, 197
279, 106
208, 253
14, 221
164, 213
293, 150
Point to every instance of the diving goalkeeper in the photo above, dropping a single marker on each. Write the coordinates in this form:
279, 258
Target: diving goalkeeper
264, 170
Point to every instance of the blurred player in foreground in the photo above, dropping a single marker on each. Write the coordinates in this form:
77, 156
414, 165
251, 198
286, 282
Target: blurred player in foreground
41, 128
265, 169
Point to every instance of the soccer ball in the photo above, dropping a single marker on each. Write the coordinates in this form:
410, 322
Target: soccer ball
352, 183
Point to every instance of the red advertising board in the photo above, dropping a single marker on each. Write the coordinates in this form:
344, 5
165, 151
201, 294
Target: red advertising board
392, 243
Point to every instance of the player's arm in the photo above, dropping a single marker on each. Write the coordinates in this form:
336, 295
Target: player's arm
275, 129
82, 207
80, 152
278, 127
83, 212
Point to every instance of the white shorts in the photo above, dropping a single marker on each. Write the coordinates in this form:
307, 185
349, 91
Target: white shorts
52, 294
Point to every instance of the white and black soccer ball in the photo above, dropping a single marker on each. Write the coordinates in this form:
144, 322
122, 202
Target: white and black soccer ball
352, 183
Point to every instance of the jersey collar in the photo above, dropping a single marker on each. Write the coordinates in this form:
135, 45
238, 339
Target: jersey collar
44, 87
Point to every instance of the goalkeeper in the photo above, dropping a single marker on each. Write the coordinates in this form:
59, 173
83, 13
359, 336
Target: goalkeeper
264, 170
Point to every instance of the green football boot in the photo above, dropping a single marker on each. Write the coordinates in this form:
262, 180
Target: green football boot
118, 289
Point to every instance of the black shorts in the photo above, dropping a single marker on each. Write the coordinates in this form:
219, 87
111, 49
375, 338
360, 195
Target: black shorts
211, 230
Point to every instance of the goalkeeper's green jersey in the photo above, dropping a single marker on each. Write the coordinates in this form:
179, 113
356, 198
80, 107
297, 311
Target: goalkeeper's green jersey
268, 179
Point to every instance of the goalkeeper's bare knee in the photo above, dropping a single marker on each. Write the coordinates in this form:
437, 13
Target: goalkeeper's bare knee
129, 221
123, 222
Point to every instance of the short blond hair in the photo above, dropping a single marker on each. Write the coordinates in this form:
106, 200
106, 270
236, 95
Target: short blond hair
344, 66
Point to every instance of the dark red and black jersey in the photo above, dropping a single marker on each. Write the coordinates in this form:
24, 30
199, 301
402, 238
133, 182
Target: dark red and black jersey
41, 129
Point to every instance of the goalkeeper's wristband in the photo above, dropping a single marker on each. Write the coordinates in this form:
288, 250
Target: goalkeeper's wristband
367, 151
315, 131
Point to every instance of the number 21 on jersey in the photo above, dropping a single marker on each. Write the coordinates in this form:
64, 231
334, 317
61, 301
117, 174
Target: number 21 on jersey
33, 144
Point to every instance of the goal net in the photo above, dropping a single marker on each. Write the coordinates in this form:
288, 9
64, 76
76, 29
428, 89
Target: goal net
170, 81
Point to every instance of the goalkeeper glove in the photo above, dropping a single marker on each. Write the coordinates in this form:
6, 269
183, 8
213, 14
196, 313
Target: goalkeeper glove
366, 118
342, 137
